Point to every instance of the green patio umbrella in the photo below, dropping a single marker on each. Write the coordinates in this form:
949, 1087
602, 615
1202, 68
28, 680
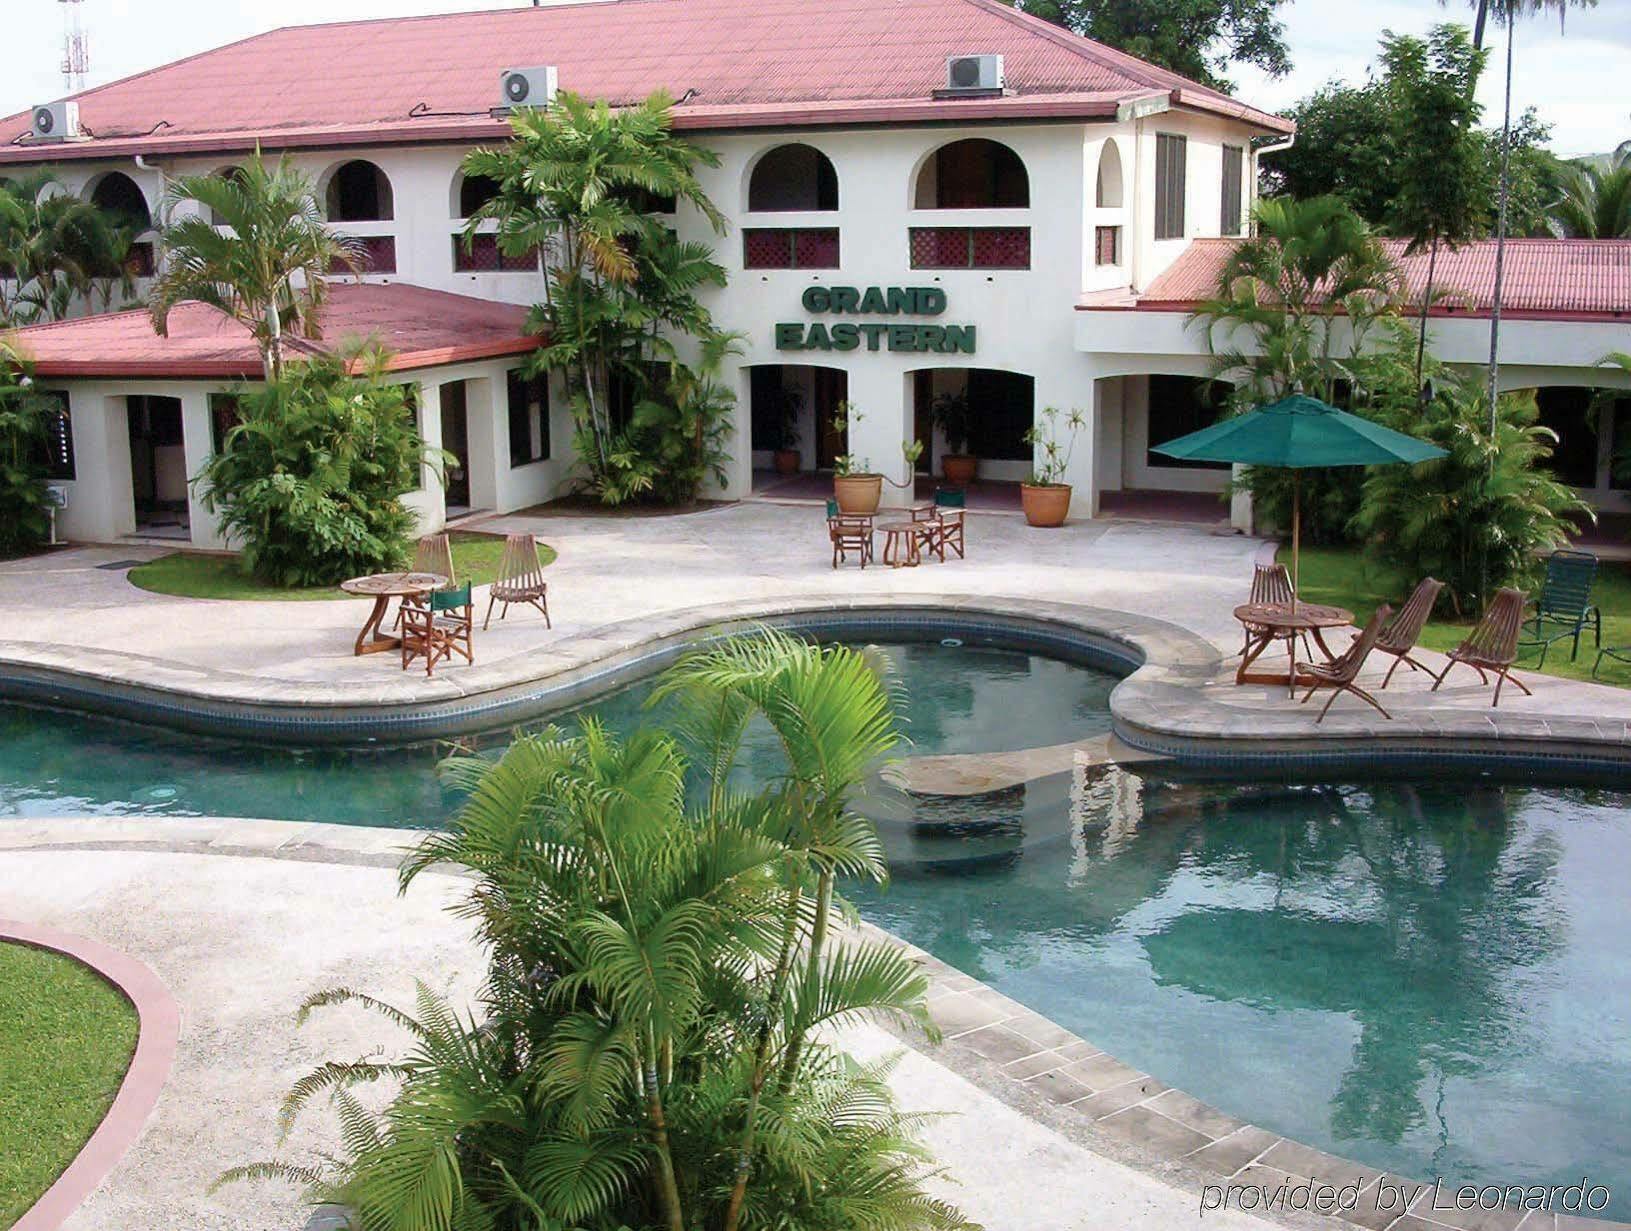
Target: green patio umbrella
1299, 433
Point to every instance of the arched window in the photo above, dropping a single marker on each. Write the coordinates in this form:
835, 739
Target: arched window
474, 192
116, 194
973, 174
1107, 195
793, 177
359, 192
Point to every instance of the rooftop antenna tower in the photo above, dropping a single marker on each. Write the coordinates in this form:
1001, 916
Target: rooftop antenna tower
76, 57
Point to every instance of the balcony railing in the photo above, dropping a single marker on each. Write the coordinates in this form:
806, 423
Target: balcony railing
970, 247
790, 248
484, 256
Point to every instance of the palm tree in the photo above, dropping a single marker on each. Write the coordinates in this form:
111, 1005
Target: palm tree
1596, 201
1307, 263
636, 905
53, 245
572, 185
257, 247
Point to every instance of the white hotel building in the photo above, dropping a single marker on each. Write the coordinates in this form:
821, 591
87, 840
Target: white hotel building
1054, 207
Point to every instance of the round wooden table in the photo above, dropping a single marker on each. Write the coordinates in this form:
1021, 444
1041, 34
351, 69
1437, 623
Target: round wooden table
1269, 622
902, 540
382, 588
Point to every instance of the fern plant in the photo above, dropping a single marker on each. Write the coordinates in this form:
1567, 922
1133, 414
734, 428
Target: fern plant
650, 1049
24, 517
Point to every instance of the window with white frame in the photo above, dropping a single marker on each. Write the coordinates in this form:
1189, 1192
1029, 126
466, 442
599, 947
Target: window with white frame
1171, 174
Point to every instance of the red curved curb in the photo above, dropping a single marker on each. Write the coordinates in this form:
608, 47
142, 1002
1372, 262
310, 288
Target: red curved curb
158, 1027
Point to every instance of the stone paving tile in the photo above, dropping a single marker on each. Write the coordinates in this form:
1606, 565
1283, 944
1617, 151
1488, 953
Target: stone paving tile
998, 1043
961, 1013
1059, 1087
1430, 1206
1228, 1155
1032, 1066
1301, 1160
1188, 1110
1040, 1030
1079, 1050
1108, 1102
1157, 1133
1102, 1072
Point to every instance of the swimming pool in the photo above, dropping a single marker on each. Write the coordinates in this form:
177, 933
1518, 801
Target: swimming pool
1424, 977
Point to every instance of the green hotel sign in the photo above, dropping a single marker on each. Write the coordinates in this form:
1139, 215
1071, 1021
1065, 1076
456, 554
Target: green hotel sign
896, 301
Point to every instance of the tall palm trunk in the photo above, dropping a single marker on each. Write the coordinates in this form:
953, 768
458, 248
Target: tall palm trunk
1504, 197
818, 940
1426, 303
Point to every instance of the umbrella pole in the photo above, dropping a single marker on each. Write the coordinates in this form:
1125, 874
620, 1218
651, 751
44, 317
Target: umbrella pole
1296, 538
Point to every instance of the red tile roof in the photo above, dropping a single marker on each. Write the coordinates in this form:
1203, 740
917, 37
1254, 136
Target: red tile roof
422, 328
734, 63
1579, 279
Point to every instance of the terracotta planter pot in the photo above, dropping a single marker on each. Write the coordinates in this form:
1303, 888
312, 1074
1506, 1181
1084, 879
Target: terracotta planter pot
858, 493
787, 461
1045, 505
959, 468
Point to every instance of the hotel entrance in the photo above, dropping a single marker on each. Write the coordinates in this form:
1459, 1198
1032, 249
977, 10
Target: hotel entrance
791, 408
158, 467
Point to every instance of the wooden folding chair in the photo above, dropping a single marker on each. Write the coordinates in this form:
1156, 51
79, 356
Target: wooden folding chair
849, 532
520, 579
443, 627
1492, 646
946, 517
1404, 630
1339, 674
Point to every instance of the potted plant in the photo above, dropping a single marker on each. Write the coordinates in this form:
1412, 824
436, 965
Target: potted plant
951, 415
789, 401
1045, 495
855, 485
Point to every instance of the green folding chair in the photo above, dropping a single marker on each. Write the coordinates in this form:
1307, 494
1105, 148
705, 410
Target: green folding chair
1564, 608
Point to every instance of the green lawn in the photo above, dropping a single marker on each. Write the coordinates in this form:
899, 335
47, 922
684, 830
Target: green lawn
66, 1037
1348, 579
189, 574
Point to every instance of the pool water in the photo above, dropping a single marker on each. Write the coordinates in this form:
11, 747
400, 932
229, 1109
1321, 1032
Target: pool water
1426, 977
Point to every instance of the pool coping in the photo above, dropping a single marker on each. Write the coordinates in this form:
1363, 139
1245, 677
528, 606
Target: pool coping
1018, 1056
1174, 701
158, 1032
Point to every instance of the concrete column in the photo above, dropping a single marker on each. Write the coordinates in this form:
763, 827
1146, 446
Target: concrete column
429, 499
738, 441
880, 421
196, 447
121, 492
1068, 393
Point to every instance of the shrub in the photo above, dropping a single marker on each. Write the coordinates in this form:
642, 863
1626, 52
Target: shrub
1476, 518
309, 481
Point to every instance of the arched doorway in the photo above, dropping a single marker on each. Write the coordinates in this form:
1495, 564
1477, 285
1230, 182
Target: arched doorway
979, 412
791, 406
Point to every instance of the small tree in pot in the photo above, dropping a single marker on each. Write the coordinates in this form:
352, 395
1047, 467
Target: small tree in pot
952, 416
1045, 495
856, 486
789, 401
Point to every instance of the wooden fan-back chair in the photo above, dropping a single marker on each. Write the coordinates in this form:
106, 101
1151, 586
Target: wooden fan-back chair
1492, 647
432, 554
1271, 583
520, 579
1404, 629
444, 626
849, 532
1340, 673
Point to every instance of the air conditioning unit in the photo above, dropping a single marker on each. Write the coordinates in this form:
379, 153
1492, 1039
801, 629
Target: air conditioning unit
57, 121
973, 75
527, 87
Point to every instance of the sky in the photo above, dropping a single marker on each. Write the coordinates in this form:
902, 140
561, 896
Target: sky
1576, 78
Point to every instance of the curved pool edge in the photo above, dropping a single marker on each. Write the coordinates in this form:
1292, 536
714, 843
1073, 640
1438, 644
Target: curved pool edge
1175, 700
1030, 1063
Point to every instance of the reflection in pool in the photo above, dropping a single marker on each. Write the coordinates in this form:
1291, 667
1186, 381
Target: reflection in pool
1430, 978
1426, 978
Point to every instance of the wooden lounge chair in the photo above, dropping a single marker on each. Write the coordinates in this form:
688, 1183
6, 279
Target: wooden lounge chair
1564, 608
1271, 583
946, 515
1404, 629
849, 532
441, 628
1339, 674
432, 554
520, 579
1492, 646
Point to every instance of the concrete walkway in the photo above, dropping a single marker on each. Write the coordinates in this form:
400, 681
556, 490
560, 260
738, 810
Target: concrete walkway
241, 939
